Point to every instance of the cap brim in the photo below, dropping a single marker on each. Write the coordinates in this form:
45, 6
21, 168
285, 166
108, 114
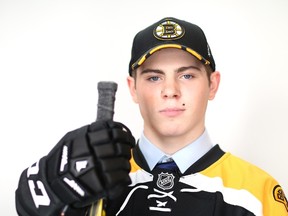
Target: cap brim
146, 55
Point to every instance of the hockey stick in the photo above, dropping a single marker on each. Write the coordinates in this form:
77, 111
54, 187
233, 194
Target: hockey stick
105, 111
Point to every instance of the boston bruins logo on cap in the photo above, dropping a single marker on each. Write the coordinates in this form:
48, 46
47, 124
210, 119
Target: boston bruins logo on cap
169, 30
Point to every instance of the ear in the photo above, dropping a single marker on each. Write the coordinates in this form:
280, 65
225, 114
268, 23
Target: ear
132, 88
214, 84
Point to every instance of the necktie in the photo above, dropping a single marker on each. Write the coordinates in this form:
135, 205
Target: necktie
171, 165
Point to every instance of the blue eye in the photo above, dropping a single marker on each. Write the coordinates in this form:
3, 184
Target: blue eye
154, 78
187, 76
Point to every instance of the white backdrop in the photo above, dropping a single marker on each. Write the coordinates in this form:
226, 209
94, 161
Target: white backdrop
53, 53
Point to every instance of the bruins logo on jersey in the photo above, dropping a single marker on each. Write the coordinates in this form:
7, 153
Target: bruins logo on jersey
279, 196
169, 30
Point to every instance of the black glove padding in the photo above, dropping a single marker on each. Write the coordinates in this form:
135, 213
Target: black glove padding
90, 163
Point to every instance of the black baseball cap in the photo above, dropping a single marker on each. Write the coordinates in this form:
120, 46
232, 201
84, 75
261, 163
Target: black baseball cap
170, 33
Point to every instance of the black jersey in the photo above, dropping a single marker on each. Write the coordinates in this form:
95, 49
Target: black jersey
219, 184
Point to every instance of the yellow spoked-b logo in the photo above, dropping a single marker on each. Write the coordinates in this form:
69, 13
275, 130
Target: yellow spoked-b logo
168, 30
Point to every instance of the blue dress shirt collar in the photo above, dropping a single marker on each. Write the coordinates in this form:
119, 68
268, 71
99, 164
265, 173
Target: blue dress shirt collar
184, 158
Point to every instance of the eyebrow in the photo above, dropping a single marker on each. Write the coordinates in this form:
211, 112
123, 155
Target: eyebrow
148, 70
178, 70
181, 69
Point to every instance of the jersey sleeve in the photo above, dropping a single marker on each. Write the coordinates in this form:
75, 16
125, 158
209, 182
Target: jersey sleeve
275, 202
34, 197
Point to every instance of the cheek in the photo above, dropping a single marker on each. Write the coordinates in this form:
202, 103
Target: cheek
144, 92
145, 97
146, 106
195, 97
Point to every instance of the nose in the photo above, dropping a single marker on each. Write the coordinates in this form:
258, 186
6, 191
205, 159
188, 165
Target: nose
171, 90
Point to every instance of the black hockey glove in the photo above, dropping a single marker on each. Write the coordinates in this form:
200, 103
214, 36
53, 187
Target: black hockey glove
90, 163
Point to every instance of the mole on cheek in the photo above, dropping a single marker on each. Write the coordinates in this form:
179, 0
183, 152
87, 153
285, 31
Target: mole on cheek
183, 104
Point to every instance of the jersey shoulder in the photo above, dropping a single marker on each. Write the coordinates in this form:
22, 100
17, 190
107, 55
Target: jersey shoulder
240, 174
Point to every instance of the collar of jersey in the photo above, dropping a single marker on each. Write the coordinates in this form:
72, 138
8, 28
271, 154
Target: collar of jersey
184, 158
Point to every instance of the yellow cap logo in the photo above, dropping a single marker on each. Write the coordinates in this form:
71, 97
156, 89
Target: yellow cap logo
168, 30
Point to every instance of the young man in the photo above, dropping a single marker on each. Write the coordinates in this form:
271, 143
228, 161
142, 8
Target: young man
174, 168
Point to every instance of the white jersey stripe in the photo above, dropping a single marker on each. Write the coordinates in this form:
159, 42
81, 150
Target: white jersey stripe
231, 196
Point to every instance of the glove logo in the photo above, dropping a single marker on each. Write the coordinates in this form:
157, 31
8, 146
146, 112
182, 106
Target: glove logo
165, 181
279, 196
169, 30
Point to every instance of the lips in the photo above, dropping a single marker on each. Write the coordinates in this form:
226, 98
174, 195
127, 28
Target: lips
172, 112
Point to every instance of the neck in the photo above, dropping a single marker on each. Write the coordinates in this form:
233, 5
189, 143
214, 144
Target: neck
170, 144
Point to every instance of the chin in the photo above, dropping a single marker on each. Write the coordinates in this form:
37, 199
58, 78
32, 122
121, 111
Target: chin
170, 131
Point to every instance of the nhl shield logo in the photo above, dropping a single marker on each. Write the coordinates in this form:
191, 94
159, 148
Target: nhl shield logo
165, 181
